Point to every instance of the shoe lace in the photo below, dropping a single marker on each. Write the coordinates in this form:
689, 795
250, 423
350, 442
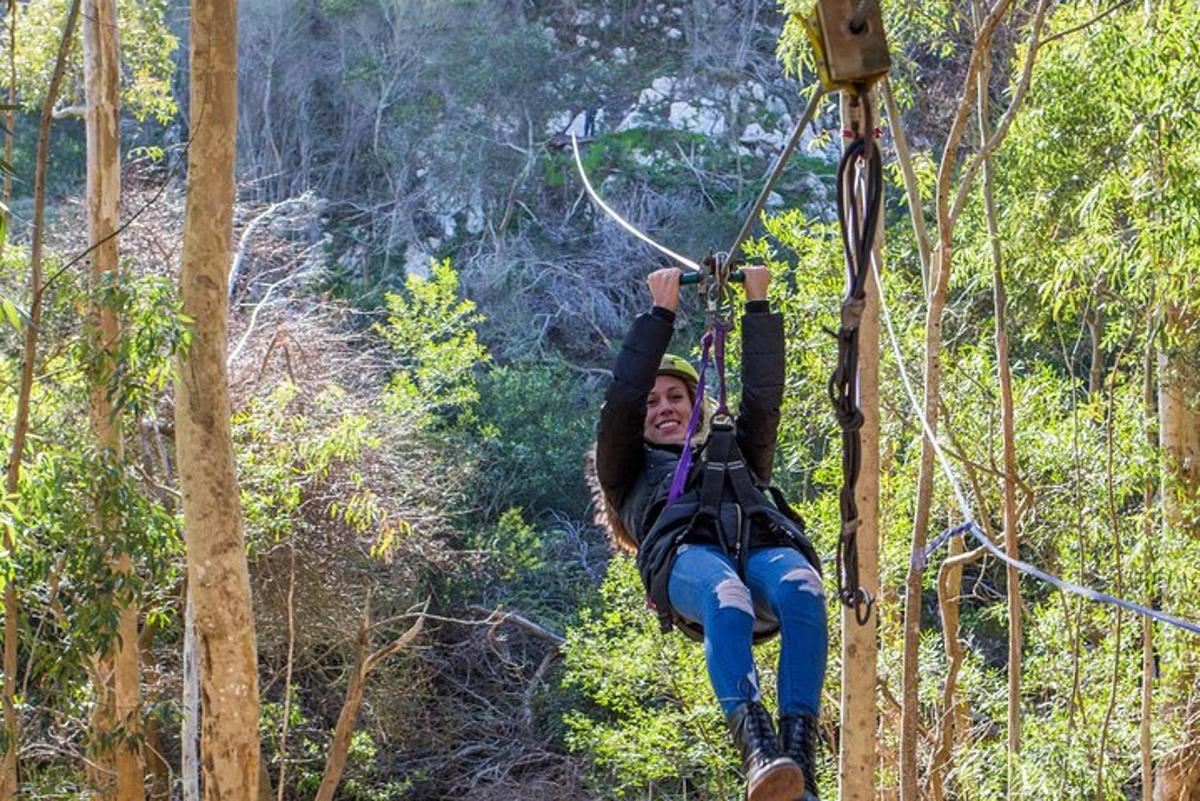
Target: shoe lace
758, 723
805, 747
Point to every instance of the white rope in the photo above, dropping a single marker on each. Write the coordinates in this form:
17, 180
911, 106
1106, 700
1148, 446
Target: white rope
971, 527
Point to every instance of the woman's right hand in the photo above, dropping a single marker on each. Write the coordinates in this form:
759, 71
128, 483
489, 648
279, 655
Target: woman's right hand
664, 287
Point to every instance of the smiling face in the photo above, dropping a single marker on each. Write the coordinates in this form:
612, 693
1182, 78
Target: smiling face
668, 408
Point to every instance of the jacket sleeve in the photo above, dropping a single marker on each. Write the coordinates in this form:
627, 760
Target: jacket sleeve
620, 451
762, 389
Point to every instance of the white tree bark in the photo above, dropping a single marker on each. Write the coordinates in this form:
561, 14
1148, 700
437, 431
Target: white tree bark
189, 745
216, 558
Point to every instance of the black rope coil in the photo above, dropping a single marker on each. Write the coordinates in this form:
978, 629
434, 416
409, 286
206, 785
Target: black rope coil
859, 179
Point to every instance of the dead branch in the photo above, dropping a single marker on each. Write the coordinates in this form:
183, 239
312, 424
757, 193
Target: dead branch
364, 662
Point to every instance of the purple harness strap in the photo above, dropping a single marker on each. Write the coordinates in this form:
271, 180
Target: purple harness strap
715, 335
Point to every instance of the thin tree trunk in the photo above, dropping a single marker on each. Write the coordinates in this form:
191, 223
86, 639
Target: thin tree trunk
364, 662
1145, 741
287, 674
160, 770
189, 739
939, 283
12, 729
1118, 589
118, 670
1007, 437
1095, 326
912, 596
859, 757
10, 120
216, 560
949, 589
911, 187
1178, 774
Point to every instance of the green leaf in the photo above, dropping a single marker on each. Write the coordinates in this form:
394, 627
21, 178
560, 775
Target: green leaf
14, 314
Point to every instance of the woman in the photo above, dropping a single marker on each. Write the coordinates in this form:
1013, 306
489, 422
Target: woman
730, 572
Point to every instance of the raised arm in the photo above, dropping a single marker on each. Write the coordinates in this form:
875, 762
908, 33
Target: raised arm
619, 445
762, 375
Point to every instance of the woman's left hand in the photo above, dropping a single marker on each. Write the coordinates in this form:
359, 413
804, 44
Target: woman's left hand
758, 277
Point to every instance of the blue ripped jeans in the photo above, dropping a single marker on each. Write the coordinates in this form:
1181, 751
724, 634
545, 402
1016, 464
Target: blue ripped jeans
780, 586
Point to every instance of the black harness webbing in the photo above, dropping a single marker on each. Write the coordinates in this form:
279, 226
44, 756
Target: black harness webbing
724, 466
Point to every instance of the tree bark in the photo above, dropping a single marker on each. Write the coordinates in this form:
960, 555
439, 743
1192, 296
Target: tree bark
189, 735
12, 729
1178, 774
939, 283
859, 754
10, 120
159, 785
1007, 436
117, 671
1145, 739
216, 560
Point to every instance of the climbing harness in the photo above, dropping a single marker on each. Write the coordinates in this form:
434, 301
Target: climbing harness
718, 322
724, 465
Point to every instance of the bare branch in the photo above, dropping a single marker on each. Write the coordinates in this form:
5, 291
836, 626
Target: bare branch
968, 176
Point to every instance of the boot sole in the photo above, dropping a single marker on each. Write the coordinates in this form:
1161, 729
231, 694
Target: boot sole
781, 780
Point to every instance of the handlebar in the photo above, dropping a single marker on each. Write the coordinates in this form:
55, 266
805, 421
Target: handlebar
691, 279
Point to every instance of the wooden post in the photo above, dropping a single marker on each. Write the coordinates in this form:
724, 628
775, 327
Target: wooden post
859, 757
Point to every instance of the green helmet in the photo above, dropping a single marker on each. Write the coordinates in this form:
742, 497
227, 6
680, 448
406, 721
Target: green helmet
680, 368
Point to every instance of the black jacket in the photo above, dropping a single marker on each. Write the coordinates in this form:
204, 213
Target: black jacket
635, 476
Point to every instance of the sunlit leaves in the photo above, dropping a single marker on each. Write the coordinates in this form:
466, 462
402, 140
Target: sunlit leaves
147, 48
431, 331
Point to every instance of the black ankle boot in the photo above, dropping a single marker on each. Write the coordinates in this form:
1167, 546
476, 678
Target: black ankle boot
770, 776
798, 741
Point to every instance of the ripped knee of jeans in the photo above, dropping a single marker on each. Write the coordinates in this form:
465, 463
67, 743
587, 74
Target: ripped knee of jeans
732, 593
805, 579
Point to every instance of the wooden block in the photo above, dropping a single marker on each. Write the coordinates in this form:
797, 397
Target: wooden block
852, 57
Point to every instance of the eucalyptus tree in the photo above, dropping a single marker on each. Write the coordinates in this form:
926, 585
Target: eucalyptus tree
216, 556
116, 671
146, 65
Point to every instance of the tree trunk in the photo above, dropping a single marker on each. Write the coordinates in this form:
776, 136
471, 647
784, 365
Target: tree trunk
1008, 437
159, 786
189, 735
10, 121
859, 757
118, 705
1178, 775
12, 728
216, 560
1145, 739
940, 282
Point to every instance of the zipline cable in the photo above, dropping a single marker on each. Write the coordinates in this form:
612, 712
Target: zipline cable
776, 171
621, 221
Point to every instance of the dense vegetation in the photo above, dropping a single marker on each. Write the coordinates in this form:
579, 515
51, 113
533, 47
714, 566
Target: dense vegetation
424, 308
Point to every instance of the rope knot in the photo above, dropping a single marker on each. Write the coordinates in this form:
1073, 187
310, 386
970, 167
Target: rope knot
852, 312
